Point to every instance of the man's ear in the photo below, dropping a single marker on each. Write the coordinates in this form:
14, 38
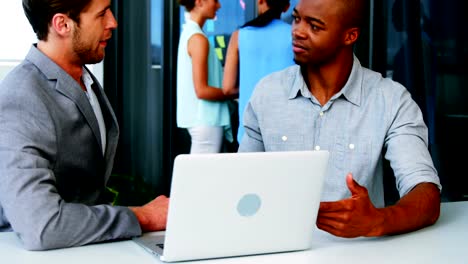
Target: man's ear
351, 35
61, 24
198, 2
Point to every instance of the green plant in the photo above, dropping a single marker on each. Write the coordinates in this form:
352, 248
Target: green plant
129, 190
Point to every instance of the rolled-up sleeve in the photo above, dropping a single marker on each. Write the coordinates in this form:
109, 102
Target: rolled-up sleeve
407, 145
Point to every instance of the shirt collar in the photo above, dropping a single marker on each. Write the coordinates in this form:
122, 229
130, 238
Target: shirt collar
299, 85
351, 91
87, 79
353, 88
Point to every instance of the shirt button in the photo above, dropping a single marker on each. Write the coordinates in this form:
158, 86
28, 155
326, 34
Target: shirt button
322, 113
284, 138
351, 146
317, 148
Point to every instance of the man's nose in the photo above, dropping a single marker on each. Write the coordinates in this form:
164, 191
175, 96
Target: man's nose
112, 22
298, 31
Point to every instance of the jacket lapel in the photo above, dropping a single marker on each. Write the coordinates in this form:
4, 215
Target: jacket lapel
67, 86
111, 125
71, 89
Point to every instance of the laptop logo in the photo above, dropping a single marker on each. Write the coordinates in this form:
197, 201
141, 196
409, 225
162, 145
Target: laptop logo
249, 205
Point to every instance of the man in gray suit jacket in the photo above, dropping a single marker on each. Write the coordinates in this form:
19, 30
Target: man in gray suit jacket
58, 135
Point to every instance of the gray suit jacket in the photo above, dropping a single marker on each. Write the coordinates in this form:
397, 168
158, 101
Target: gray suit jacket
52, 170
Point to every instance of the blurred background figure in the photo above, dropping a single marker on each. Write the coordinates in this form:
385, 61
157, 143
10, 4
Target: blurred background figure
413, 63
201, 104
260, 47
406, 20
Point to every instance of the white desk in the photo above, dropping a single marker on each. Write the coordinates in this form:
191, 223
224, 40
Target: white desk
444, 242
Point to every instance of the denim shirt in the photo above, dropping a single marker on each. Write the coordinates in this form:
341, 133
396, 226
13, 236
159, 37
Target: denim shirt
369, 115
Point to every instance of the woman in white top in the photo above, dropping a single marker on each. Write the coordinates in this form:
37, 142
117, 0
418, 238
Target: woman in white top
201, 104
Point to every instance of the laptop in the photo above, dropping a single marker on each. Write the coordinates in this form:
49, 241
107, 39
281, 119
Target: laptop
237, 204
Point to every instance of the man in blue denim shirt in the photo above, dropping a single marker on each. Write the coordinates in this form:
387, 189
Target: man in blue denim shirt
330, 102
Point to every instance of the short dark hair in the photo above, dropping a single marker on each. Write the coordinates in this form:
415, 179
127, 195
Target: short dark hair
275, 8
188, 4
355, 13
41, 12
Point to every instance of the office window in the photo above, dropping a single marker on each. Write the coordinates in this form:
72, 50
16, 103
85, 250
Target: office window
156, 31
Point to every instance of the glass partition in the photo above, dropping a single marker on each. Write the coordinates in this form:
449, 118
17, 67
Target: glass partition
156, 31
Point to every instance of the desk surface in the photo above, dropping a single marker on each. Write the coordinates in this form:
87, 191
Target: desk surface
444, 242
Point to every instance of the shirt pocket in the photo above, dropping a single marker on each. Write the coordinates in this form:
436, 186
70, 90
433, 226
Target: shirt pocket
352, 153
287, 142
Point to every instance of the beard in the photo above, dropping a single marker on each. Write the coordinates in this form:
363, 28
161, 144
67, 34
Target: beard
84, 50
316, 59
299, 62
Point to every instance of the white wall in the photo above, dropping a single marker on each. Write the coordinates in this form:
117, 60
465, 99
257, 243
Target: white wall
17, 36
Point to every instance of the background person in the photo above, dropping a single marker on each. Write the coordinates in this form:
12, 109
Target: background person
201, 104
58, 135
258, 48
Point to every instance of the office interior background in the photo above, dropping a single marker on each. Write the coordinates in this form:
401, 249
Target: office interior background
419, 43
